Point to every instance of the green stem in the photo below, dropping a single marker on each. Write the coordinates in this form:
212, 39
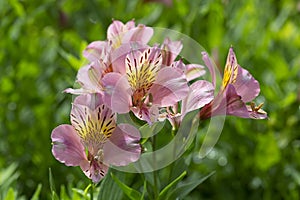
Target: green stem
155, 186
174, 131
92, 191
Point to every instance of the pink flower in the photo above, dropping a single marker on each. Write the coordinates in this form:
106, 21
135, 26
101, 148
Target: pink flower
146, 86
89, 78
238, 87
94, 141
170, 50
120, 38
119, 33
191, 71
109, 56
200, 93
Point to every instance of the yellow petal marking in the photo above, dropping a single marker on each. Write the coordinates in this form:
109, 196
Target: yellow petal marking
141, 73
231, 70
94, 126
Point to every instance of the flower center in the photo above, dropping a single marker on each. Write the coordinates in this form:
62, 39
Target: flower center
141, 72
93, 126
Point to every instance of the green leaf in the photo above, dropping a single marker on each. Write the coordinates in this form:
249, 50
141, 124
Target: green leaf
10, 194
18, 8
144, 190
150, 130
131, 193
107, 186
75, 62
52, 186
63, 194
170, 185
184, 189
82, 193
37, 192
8, 175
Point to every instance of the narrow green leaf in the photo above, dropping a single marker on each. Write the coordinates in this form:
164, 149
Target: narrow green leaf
82, 193
18, 7
37, 192
131, 193
63, 194
75, 62
144, 190
10, 194
163, 192
52, 186
54, 196
184, 189
6, 174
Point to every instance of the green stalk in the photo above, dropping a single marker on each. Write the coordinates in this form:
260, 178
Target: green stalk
92, 191
155, 188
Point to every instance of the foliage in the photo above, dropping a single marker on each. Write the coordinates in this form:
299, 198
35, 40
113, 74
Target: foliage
40, 51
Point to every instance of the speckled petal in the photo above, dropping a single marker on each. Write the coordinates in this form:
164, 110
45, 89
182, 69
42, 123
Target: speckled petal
94, 170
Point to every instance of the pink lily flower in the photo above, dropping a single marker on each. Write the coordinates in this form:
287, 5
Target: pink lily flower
119, 33
89, 78
94, 141
200, 93
170, 50
238, 87
108, 56
146, 86
120, 38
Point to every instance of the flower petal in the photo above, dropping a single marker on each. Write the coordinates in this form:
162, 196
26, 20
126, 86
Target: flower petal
141, 34
201, 93
194, 71
169, 87
235, 106
117, 28
231, 69
210, 67
89, 77
95, 170
227, 102
191, 71
148, 114
97, 50
123, 146
120, 93
67, 147
170, 50
90, 100
118, 55
246, 86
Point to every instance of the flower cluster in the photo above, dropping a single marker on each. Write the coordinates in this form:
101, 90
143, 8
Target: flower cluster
125, 74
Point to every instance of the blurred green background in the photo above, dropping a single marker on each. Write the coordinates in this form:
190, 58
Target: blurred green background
40, 51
